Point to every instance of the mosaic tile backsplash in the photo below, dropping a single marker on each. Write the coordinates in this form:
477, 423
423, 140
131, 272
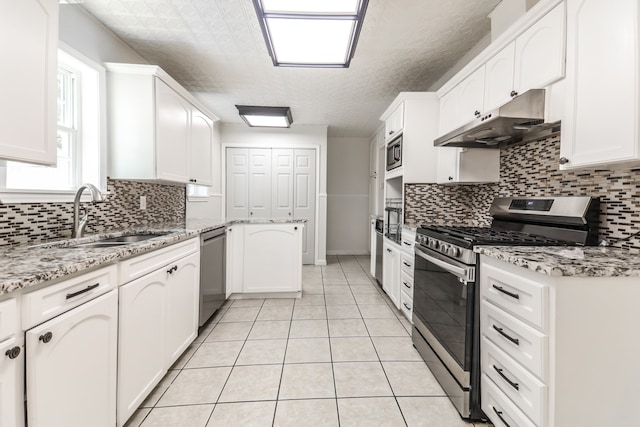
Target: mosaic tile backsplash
37, 222
532, 170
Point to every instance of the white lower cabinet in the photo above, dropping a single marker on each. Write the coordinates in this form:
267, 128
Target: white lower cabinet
71, 366
391, 271
557, 351
158, 316
12, 381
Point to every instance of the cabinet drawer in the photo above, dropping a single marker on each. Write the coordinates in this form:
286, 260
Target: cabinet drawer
526, 391
523, 343
406, 305
522, 297
406, 264
501, 411
8, 318
406, 284
48, 302
408, 241
146, 263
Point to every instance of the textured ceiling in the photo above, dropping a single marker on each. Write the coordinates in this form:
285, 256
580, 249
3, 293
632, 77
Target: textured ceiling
215, 49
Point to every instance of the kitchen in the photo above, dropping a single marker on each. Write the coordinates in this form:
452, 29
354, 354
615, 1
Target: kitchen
349, 184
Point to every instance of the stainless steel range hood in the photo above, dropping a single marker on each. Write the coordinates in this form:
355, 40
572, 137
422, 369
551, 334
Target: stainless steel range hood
514, 122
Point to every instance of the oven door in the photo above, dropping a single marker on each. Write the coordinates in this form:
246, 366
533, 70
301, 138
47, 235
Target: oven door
443, 305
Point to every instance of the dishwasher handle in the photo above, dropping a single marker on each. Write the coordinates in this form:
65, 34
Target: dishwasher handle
211, 235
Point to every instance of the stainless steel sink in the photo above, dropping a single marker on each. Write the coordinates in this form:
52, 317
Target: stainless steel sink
118, 241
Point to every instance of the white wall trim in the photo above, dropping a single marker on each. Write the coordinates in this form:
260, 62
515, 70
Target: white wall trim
347, 252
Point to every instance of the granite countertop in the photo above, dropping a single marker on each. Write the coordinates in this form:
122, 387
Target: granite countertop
588, 261
23, 266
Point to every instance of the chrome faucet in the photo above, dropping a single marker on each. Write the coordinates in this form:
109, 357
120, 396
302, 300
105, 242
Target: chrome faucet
80, 223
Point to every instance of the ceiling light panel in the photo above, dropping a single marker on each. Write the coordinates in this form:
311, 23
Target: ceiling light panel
330, 7
311, 33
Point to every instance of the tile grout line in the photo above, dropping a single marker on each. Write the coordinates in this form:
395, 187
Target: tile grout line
333, 373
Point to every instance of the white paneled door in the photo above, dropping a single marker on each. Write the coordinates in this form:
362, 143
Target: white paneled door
260, 183
305, 199
237, 183
282, 188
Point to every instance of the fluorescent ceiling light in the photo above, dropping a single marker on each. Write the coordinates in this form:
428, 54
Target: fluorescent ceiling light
278, 117
311, 33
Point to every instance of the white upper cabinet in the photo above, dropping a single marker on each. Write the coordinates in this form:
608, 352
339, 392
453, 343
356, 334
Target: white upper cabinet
530, 56
419, 129
602, 104
394, 124
200, 148
540, 52
468, 165
156, 129
28, 85
172, 134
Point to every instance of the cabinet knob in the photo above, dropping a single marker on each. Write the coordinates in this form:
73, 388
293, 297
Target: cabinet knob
513, 93
450, 178
45, 338
390, 132
563, 160
250, 213
295, 228
12, 353
289, 213
476, 113
389, 250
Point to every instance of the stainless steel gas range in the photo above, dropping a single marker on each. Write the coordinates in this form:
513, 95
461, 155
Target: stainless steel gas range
446, 297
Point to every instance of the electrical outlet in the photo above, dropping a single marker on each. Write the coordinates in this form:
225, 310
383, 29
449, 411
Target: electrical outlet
143, 202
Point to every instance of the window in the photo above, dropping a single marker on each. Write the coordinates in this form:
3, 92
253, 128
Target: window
80, 138
197, 193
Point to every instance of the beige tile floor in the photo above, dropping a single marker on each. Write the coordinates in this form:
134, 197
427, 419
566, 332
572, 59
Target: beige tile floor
339, 356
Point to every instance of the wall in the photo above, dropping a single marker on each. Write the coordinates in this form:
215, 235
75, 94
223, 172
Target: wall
532, 170
38, 222
240, 135
348, 196
84, 33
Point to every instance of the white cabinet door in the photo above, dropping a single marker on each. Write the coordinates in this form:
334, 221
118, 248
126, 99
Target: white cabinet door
449, 111
305, 199
12, 382
172, 134
29, 45
499, 78
272, 258
540, 52
282, 184
141, 361
391, 272
181, 321
200, 146
468, 165
71, 366
235, 259
471, 103
260, 183
601, 111
237, 194
394, 124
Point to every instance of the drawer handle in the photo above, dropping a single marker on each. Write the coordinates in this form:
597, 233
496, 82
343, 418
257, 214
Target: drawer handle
406, 243
172, 269
45, 338
406, 306
499, 414
12, 353
504, 377
87, 289
501, 331
406, 263
506, 292
406, 286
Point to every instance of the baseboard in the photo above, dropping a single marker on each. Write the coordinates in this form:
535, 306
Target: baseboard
354, 252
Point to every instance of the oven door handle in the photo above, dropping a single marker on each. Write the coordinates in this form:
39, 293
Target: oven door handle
463, 273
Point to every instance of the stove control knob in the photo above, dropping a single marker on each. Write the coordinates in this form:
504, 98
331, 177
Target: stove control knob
453, 252
434, 244
444, 248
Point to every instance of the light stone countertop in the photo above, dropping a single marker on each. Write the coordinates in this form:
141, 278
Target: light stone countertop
23, 266
587, 261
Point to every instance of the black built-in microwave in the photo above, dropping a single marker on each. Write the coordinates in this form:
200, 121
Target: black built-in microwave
394, 153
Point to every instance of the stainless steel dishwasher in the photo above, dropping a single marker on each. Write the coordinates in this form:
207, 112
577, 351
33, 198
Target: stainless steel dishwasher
212, 272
